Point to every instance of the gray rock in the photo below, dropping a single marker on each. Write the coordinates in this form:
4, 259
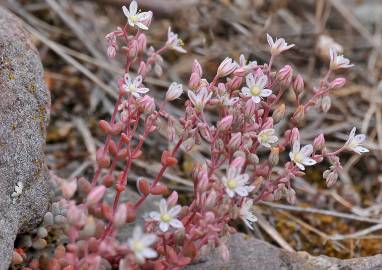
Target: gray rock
24, 114
248, 253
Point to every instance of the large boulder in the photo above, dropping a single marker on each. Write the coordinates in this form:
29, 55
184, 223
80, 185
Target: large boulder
24, 115
249, 253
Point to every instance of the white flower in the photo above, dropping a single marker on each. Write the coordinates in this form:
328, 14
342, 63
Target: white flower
135, 18
140, 244
301, 157
235, 182
200, 99
267, 137
354, 142
166, 217
338, 61
226, 67
173, 42
278, 46
134, 87
174, 91
255, 88
246, 213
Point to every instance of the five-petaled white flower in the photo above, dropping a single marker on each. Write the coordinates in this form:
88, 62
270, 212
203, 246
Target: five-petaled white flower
140, 244
267, 137
338, 61
134, 87
174, 43
236, 183
167, 217
301, 157
200, 99
135, 18
278, 46
255, 88
354, 142
246, 213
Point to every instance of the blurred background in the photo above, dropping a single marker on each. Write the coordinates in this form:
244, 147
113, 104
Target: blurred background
69, 35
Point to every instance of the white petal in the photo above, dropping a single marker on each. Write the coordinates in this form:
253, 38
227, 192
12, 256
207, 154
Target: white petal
176, 223
175, 210
250, 80
242, 179
360, 138
149, 253
133, 8
256, 99
360, 149
266, 92
300, 166
270, 40
163, 206
137, 232
125, 11
192, 97
143, 90
309, 162
307, 150
230, 193
261, 81
155, 216
241, 191
245, 91
163, 226
148, 239
296, 146
249, 225
141, 25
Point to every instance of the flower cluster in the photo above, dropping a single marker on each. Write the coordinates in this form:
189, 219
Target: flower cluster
247, 159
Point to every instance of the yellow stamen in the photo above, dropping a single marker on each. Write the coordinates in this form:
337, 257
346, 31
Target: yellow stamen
231, 184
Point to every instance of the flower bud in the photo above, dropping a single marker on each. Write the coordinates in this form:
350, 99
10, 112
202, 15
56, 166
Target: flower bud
147, 104
337, 83
194, 81
197, 68
142, 42
235, 141
174, 91
298, 85
103, 159
238, 162
250, 107
326, 103
225, 123
285, 75
159, 189
142, 186
95, 195
279, 113
172, 199
274, 156
290, 196
299, 114
68, 188
219, 144
226, 67
120, 216
234, 83
142, 70
319, 142
167, 159
331, 179
294, 136
211, 200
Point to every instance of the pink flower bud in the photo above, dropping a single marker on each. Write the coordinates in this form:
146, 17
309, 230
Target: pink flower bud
68, 188
234, 83
226, 67
299, 114
197, 68
279, 113
142, 70
95, 195
225, 123
211, 200
250, 107
240, 72
319, 142
285, 75
142, 42
111, 51
194, 81
294, 136
337, 83
147, 104
120, 215
174, 91
103, 159
235, 141
298, 84
268, 123
142, 186
172, 199
326, 103
133, 49
238, 162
